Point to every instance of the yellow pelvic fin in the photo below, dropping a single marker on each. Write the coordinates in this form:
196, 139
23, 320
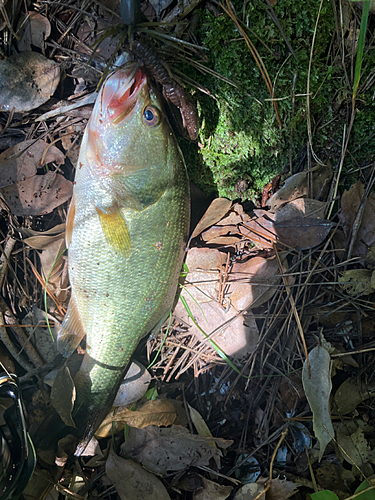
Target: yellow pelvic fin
115, 230
69, 223
71, 331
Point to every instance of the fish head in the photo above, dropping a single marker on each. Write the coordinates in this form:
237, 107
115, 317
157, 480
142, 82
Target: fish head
128, 129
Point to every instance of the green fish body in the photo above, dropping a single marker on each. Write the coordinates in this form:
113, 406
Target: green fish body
126, 231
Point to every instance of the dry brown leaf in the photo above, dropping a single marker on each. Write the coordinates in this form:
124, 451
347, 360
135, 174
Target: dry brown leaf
204, 258
356, 281
297, 187
162, 450
279, 489
158, 412
63, 395
350, 204
235, 216
216, 231
40, 241
351, 393
250, 492
27, 80
238, 339
212, 491
38, 195
215, 212
263, 272
21, 161
132, 481
294, 187
34, 31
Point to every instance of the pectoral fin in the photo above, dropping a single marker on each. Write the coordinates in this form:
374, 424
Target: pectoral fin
71, 332
115, 230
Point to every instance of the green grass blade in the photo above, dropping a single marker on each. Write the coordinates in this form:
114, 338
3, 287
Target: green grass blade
360, 46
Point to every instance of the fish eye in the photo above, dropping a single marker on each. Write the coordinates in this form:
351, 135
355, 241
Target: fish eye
151, 116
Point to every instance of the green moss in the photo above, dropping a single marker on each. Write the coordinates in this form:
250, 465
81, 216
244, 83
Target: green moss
240, 137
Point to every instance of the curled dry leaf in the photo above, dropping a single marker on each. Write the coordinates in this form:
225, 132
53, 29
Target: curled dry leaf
63, 395
27, 80
132, 481
162, 450
215, 212
297, 187
34, 29
41, 240
318, 389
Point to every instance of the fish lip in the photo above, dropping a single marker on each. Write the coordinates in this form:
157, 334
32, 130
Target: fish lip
121, 92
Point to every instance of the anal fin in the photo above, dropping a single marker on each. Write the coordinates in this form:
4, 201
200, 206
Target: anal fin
71, 331
115, 230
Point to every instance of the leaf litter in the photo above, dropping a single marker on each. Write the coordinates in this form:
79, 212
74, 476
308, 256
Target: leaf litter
231, 373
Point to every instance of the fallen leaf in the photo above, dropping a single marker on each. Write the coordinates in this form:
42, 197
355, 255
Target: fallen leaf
27, 80
239, 338
351, 393
38, 195
162, 450
41, 240
63, 395
40, 335
33, 30
205, 258
318, 389
356, 281
294, 187
158, 412
279, 489
212, 491
350, 204
215, 212
356, 448
334, 477
132, 481
202, 428
20, 162
290, 225
265, 275
216, 231
250, 491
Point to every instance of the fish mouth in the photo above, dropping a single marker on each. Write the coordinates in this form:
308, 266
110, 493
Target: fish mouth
121, 92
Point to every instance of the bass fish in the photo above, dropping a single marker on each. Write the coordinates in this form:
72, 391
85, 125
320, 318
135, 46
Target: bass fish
126, 231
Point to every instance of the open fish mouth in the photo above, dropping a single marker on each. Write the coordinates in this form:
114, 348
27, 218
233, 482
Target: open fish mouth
120, 93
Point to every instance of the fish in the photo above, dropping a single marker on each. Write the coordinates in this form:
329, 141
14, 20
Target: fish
126, 232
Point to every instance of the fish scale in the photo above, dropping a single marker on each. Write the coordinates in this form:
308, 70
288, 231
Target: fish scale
126, 231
